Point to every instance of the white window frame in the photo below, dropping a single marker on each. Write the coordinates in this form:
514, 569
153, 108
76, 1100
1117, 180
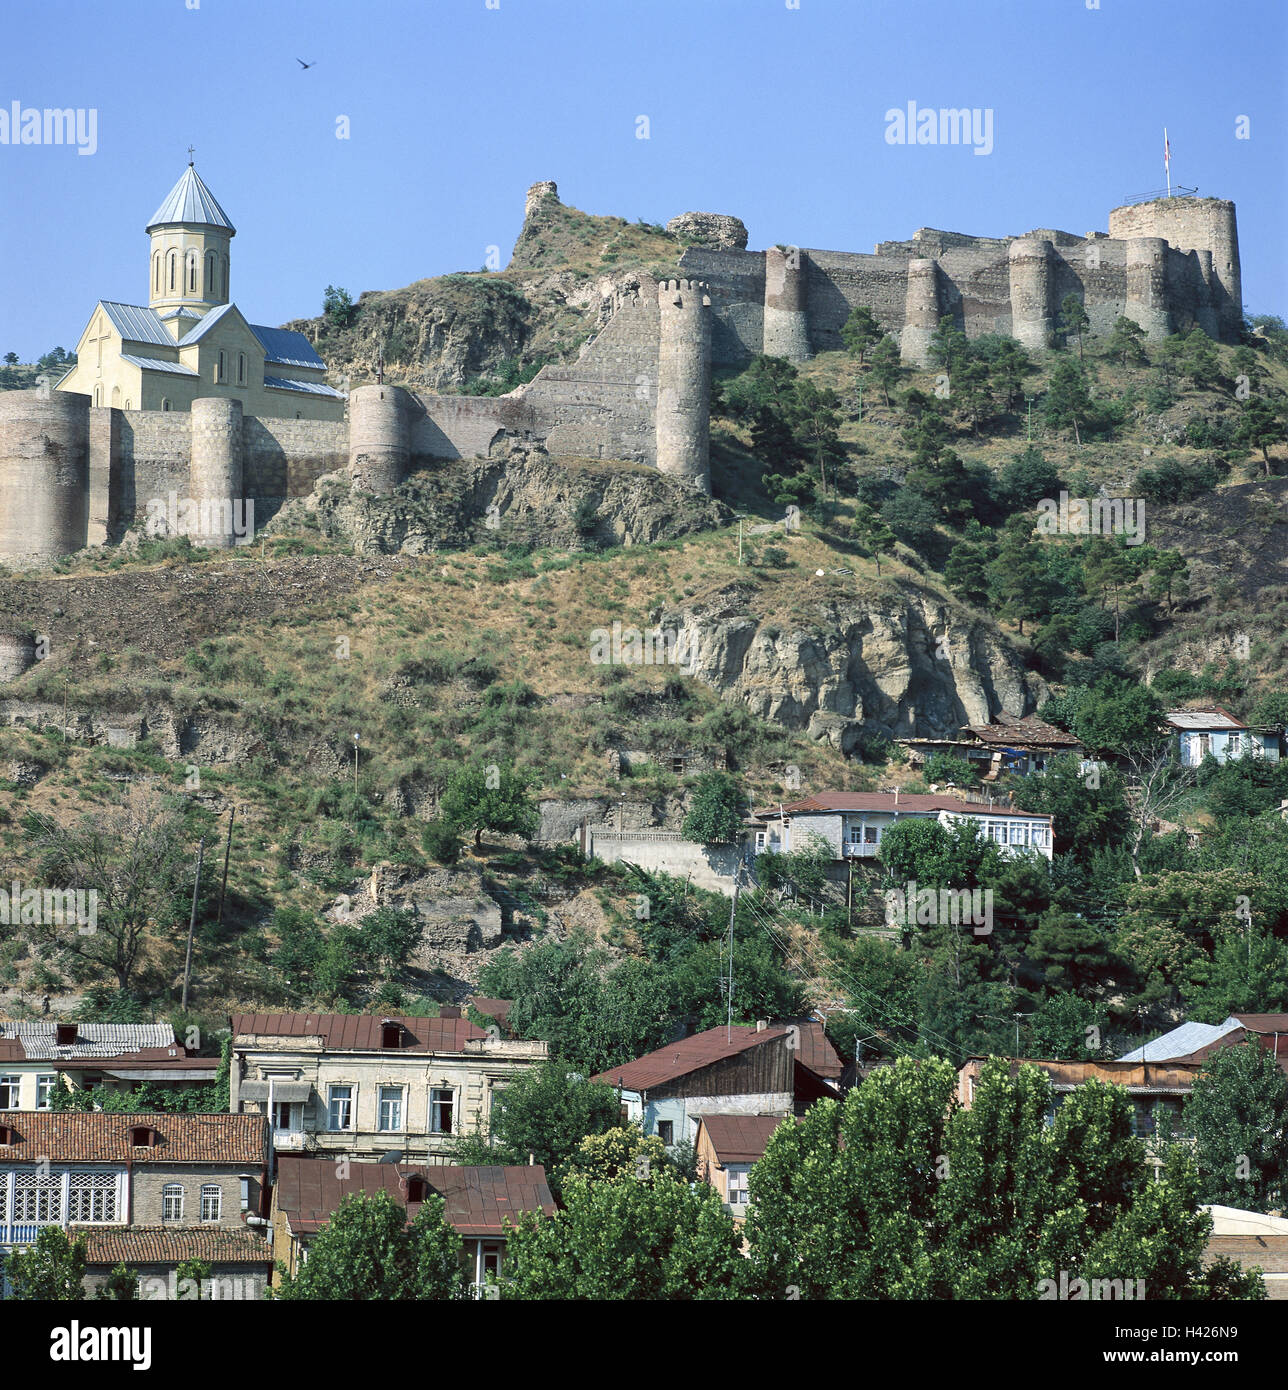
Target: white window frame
736, 1185
45, 1083
212, 1196
383, 1100
173, 1193
11, 1083
439, 1095
332, 1100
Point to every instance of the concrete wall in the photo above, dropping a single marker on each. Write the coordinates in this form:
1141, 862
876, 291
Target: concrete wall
708, 866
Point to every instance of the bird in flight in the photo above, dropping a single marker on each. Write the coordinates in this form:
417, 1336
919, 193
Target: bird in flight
305, 65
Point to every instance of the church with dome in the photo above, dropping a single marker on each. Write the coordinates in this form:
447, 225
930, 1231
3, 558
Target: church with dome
190, 340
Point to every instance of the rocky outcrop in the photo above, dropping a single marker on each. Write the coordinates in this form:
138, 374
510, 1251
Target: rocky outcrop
524, 497
715, 229
905, 663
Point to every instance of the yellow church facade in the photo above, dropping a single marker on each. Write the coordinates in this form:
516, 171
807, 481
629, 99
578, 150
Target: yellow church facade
190, 339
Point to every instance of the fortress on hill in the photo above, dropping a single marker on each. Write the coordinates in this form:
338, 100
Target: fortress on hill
233, 412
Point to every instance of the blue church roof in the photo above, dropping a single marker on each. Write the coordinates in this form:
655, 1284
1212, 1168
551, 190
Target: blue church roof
192, 203
286, 347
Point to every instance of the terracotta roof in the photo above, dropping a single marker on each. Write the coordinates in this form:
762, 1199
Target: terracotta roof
1007, 730
360, 1032
740, 1138
921, 803
99, 1137
479, 1201
164, 1245
689, 1054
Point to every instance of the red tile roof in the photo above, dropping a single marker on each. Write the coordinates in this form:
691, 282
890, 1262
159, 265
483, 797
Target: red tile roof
222, 1245
100, 1137
360, 1032
479, 1201
922, 803
740, 1138
689, 1054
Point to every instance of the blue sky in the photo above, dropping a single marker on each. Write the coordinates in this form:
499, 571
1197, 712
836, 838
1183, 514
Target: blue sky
770, 113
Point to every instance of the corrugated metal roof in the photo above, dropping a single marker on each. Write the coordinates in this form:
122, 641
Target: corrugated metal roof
199, 331
192, 203
309, 388
1213, 717
155, 364
135, 323
286, 347
740, 1138
356, 1032
92, 1039
689, 1054
479, 1201
1182, 1042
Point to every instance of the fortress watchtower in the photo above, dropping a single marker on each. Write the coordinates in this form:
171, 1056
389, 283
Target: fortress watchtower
786, 317
684, 381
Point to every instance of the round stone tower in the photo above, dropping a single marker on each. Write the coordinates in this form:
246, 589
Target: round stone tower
1029, 260
684, 382
786, 322
1205, 313
215, 468
17, 654
537, 194
379, 439
1147, 285
44, 476
920, 312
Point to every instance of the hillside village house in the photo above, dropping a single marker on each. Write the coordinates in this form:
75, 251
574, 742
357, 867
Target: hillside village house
95, 1056
151, 1190
1253, 1240
1007, 745
369, 1085
852, 823
727, 1147
190, 339
1196, 1042
767, 1069
1215, 732
481, 1204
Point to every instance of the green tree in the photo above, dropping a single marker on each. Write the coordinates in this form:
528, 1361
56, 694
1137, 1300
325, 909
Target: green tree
338, 307
948, 347
120, 1286
1017, 576
629, 1239
1238, 1115
1260, 425
489, 796
872, 532
1169, 572
50, 1269
1126, 343
1026, 479
389, 936
1068, 399
885, 366
716, 810
1074, 320
1088, 810
369, 1251
861, 331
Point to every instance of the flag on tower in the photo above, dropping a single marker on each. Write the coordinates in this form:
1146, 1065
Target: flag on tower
1167, 161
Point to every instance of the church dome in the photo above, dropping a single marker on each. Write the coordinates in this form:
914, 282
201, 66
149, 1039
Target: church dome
190, 203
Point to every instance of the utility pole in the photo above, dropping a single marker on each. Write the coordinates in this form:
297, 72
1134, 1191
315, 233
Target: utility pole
228, 849
740, 540
64, 708
355, 764
849, 897
1028, 437
733, 908
192, 925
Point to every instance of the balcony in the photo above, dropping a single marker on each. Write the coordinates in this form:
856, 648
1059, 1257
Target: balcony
22, 1233
855, 850
291, 1141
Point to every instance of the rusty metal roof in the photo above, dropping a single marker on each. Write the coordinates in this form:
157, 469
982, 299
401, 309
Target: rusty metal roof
479, 1201
100, 1137
913, 803
358, 1032
740, 1138
1008, 730
689, 1054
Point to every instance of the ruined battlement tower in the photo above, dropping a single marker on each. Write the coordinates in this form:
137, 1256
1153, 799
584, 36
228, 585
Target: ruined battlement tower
44, 475
379, 447
684, 381
786, 305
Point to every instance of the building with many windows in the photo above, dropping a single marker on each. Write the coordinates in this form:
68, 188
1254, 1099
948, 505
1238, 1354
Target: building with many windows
369, 1085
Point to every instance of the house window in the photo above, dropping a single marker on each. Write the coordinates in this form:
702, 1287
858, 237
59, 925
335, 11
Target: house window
490, 1259
391, 1108
91, 1197
666, 1132
45, 1090
760, 841
441, 1104
286, 1116
390, 1034
737, 1187
165, 403
172, 1202
339, 1107
37, 1197
244, 1194
9, 1086
1039, 835
212, 1201
241, 369
677, 766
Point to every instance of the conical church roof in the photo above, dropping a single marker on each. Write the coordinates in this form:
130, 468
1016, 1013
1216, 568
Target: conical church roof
192, 203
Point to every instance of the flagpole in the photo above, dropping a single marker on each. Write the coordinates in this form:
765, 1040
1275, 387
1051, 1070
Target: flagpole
1167, 161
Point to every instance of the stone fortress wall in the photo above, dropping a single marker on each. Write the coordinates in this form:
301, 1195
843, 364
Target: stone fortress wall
72, 474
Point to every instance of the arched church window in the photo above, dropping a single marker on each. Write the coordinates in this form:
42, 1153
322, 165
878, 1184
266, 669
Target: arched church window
156, 272
212, 268
173, 258
192, 272
116, 397
219, 368
127, 403
241, 369
98, 395
165, 403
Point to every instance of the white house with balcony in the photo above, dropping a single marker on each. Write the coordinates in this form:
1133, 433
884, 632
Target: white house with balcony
853, 823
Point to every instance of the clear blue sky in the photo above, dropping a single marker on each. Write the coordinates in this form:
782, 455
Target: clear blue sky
770, 113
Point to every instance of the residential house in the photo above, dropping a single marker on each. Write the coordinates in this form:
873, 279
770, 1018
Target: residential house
727, 1147
369, 1084
1196, 1042
482, 1204
1215, 732
1252, 1239
108, 1056
852, 823
1152, 1087
150, 1189
766, 1069
1019, 746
